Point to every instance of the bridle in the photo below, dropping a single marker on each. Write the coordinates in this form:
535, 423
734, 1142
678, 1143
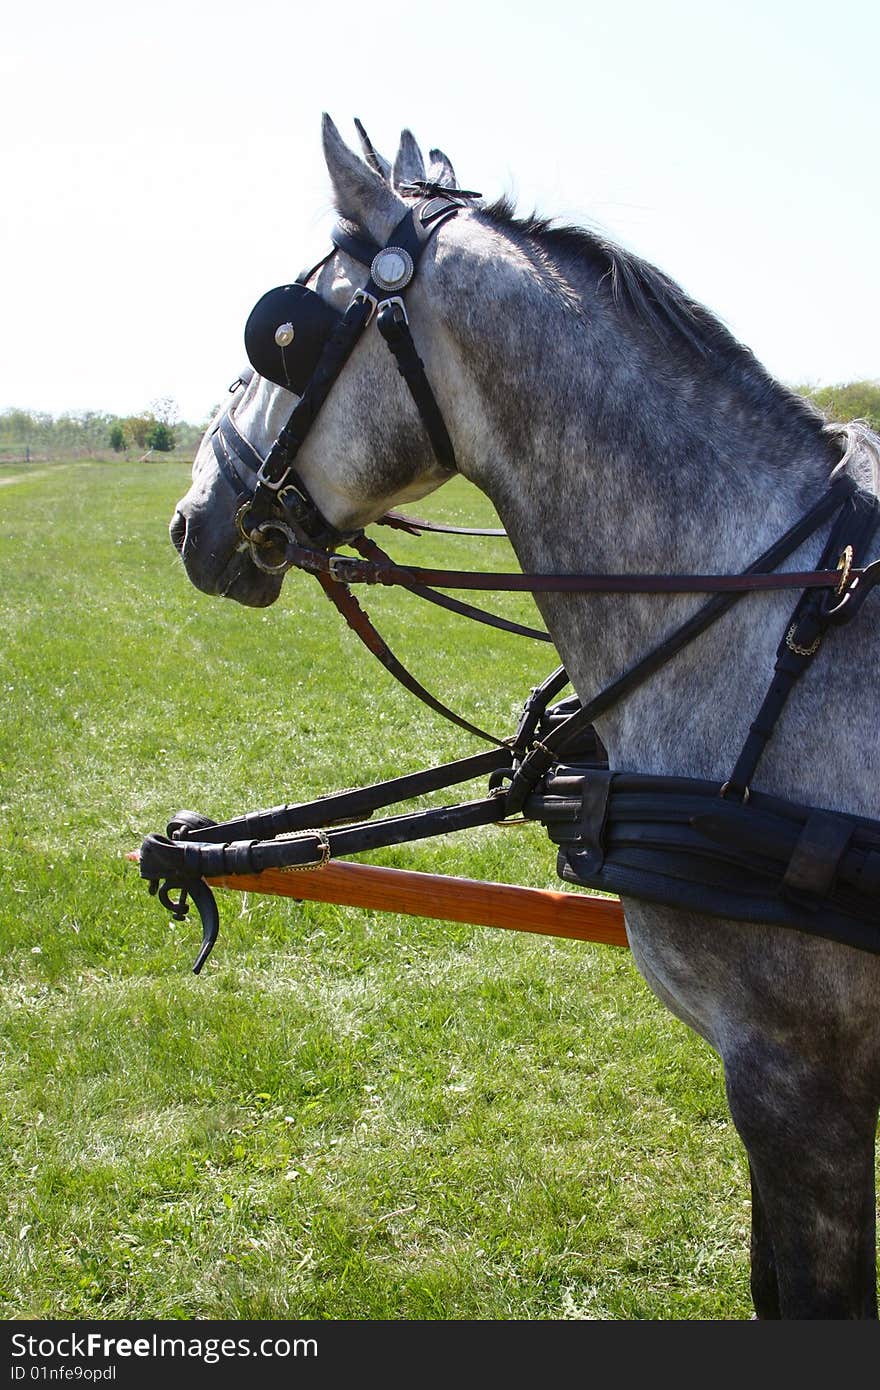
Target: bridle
297, 340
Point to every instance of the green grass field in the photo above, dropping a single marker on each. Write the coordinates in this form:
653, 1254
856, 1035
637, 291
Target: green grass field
348, 1115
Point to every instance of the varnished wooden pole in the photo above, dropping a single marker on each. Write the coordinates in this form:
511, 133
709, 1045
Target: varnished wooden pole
443, 898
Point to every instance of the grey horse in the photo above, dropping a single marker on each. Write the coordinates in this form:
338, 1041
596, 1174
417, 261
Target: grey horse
617, 425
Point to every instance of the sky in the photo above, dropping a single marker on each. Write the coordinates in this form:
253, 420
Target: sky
162, 166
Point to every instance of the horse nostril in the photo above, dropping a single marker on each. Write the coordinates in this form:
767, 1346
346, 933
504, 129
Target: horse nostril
177, 531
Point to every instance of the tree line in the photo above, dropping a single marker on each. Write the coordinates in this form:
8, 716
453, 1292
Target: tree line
158, 429
851, 400
86, 433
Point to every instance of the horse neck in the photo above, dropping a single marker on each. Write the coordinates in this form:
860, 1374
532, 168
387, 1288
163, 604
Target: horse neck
604, 449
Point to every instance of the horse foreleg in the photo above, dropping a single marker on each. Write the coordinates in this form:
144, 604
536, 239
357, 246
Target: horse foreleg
810, 1142
764, 1284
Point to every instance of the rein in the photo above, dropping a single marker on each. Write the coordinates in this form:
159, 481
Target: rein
347, 569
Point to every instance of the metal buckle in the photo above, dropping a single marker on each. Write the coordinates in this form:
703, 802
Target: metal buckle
396, 300
265, 481
324, 847
295, 501
361, 297
339, 562
844, 565
246, 536
745, 796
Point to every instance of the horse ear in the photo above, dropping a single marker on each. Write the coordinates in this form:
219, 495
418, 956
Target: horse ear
441, 170
409, 167
376, 161
360, 194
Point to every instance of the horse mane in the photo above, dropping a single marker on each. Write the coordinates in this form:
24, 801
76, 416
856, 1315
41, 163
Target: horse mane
647, 297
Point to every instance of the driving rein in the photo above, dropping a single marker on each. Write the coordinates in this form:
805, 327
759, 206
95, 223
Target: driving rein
717, 847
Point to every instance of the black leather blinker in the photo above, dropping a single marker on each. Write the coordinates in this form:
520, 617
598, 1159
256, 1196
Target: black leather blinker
285, 335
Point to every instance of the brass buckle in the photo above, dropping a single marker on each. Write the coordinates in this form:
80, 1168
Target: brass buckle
844, 565
337, 565
247, 536
321, 836
801, 651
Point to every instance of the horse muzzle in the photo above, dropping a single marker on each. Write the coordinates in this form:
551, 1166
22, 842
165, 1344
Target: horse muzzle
222, 568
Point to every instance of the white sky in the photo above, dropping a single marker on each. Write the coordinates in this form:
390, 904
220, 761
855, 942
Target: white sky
162, 165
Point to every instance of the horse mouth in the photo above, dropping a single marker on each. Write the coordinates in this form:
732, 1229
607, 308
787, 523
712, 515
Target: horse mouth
242, 581
237, 577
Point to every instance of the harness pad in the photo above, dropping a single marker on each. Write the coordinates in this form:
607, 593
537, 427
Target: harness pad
676, 841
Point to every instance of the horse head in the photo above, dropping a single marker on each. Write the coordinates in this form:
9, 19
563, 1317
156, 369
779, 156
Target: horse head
365, 447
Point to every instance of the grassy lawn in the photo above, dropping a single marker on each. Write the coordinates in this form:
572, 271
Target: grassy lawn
348, 1115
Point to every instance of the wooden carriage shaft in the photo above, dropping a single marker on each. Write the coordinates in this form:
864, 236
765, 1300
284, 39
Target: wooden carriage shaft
442, 898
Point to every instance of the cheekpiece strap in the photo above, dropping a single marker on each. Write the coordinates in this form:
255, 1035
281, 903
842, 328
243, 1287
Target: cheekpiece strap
391, 269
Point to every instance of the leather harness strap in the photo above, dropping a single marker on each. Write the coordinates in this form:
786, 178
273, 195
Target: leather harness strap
411, 235
345, 602
371, 551
850, 536
393, 324
415, 524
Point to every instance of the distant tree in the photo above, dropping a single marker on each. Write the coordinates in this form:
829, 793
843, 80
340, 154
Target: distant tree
160, 437
137, 427
165, 410
18, 426
117, 438
851, 400
90, 432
